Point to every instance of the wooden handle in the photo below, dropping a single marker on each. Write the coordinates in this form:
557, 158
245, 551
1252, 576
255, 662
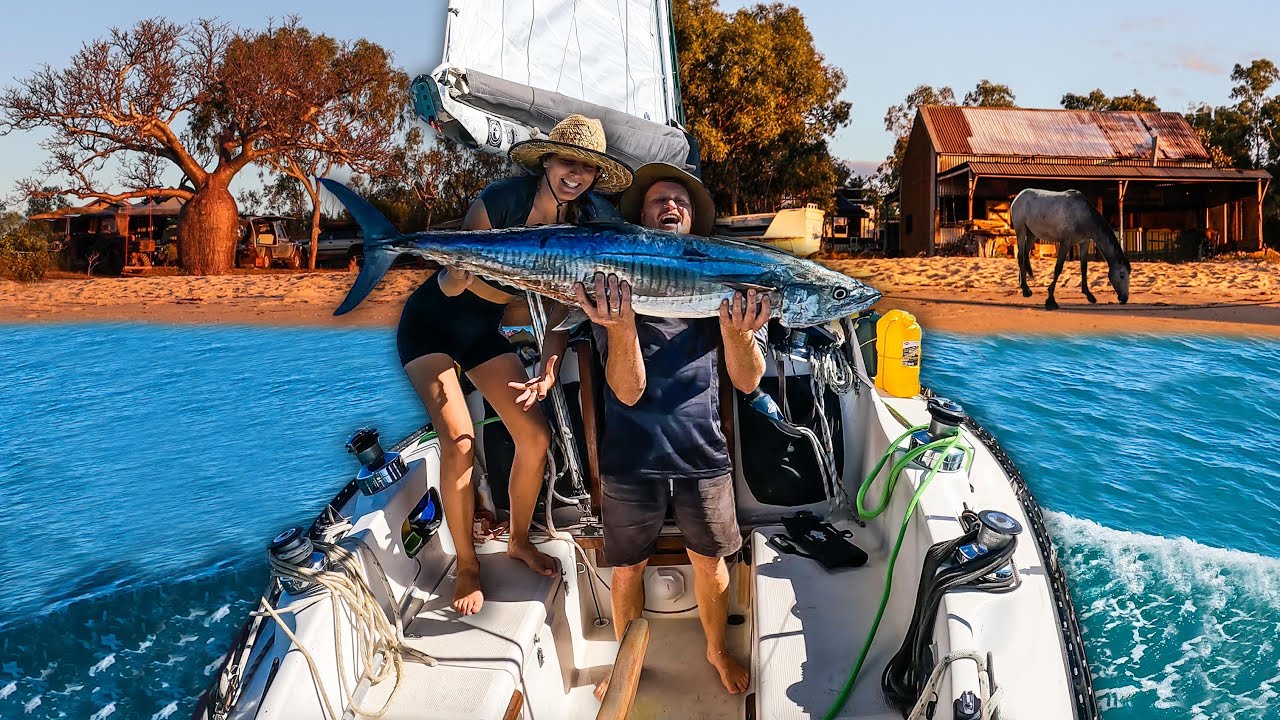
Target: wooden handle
625, 679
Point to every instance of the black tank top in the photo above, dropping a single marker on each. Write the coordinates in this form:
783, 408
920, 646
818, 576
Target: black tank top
509, 200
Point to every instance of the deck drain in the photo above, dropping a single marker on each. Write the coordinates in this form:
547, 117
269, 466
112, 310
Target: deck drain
736, 619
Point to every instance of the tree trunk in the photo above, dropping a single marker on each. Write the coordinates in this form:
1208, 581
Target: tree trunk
209, 227
315, 226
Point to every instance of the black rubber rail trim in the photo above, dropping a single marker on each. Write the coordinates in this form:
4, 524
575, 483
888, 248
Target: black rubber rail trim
1069, 623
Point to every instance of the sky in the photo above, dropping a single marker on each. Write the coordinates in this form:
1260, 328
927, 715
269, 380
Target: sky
1181, 52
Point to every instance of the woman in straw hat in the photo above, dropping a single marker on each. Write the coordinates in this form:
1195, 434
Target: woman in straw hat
453, 320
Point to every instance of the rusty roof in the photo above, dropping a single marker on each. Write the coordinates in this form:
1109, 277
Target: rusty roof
1077, 171
1060, 133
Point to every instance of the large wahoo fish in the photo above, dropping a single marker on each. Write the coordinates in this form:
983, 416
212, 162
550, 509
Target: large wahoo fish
671, 275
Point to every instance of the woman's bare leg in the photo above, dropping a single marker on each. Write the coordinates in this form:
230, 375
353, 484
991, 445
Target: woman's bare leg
532, 437
436, 380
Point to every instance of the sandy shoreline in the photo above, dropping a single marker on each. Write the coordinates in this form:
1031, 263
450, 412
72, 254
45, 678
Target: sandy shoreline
966, 295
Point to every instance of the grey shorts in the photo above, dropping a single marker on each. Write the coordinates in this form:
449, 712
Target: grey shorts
635, 509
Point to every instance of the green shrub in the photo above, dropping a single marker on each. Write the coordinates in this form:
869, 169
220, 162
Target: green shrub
26, 251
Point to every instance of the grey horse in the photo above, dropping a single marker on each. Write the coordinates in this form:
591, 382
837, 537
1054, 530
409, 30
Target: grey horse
1066, 219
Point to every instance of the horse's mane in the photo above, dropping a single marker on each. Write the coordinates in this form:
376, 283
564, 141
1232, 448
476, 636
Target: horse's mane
1100, 222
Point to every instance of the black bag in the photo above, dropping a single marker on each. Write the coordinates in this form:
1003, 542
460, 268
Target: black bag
779, 463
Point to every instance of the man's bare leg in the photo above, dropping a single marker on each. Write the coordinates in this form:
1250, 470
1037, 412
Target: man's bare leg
711, 587
627, 594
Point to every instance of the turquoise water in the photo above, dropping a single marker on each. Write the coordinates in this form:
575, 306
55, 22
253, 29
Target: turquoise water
145, 468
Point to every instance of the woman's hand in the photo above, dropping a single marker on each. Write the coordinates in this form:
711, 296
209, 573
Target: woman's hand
455, 280
611, 306
536, 388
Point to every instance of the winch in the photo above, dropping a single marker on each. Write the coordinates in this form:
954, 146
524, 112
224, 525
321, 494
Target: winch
995, 531
379, 470
293, 547
946, 417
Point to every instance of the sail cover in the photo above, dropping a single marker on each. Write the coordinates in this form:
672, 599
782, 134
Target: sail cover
513, 68
615, 54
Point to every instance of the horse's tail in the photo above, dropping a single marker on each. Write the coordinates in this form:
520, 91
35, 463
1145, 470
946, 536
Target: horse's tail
1023, 232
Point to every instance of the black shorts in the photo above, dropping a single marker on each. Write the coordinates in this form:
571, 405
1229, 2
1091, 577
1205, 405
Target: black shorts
464, 327
635, 509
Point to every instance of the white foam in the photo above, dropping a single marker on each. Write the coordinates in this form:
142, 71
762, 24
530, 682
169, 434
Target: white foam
166, 711
31, 705
103, 664
1164, 589
218, 615
9, 689
105, 712
1136, 559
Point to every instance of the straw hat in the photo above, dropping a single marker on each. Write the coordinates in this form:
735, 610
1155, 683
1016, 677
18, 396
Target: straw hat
580, 138
704, 208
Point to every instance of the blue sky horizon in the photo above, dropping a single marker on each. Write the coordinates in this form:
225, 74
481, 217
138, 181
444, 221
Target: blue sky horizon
1179, 54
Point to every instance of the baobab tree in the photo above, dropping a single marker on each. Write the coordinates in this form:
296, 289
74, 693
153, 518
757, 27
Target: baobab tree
209, 99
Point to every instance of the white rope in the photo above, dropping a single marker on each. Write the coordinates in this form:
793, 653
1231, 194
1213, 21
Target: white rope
830, 368
379, 644
990, 703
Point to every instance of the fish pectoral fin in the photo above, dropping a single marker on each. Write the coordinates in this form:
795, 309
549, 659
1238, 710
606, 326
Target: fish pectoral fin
743, 287
575, 318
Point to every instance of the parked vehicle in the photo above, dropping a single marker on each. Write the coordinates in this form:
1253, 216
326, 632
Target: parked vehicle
264, 242
343, 246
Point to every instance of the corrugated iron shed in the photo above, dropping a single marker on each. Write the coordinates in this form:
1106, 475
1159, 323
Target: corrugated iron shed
1016, 132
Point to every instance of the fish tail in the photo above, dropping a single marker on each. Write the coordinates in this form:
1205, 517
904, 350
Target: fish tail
379, 237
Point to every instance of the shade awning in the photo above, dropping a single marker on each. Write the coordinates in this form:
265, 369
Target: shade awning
1063, 171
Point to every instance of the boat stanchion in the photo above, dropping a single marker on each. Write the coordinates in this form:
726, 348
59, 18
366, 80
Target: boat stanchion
538, 316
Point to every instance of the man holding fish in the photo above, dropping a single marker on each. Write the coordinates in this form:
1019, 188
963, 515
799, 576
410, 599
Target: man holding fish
662, 442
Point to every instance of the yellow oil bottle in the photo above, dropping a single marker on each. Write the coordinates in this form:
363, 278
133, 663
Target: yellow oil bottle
898, 354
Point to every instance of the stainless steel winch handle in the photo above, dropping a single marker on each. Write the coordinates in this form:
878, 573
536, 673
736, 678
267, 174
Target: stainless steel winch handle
538, 315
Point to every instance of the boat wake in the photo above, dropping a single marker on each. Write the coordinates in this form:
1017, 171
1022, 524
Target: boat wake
1174, 629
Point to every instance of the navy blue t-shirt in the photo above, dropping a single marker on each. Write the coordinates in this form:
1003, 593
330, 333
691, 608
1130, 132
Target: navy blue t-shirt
673, 430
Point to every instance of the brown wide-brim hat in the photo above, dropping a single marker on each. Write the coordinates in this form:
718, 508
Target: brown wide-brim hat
580, 138
704, 208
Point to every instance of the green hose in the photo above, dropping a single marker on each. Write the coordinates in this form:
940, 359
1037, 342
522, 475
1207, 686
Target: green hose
943, 445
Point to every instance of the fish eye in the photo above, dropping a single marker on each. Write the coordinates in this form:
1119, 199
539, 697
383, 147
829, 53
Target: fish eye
839, 293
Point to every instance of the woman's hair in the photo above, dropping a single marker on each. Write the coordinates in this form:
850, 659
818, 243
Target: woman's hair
573, 210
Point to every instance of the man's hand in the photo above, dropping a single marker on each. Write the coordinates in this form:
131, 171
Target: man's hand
743, 316
611, 306
536, 388
455, 280
740, 318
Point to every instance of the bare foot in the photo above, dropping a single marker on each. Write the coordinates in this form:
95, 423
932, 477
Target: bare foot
538, 561
736, 679
467, 597
603, 687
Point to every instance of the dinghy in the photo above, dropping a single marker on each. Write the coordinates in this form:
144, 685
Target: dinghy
894, 562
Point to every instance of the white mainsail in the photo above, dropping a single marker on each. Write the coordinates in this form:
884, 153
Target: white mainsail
513, 68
